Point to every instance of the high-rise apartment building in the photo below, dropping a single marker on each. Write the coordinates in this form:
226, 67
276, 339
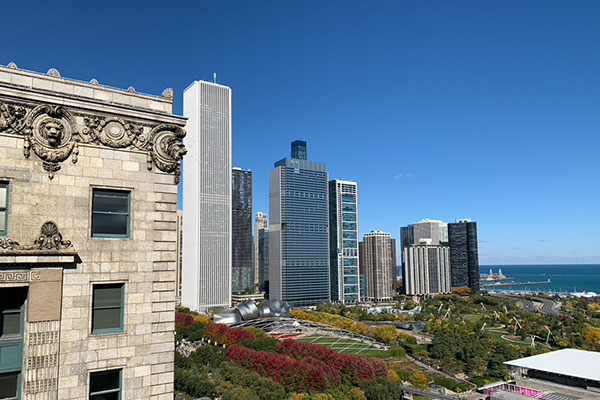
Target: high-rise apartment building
298, 234
88, 211
207, 197
378, 260
343, 241
427, 268
395, 265
435, 232
261, 251
464, 257
242, 268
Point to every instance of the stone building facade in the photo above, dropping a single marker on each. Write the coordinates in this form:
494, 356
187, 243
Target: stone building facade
88, 202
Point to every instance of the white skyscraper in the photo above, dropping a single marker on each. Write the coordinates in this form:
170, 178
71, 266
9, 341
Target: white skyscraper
427, 268
206, 275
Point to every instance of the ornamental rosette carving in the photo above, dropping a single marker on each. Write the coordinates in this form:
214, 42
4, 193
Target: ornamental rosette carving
53, 133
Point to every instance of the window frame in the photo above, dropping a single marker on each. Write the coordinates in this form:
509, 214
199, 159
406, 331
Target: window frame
6, 184
129, 213
108, 391
108, 331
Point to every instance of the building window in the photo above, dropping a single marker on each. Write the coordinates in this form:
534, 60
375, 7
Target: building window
107, 308
3, 208
9, 386
111, 213
105, 385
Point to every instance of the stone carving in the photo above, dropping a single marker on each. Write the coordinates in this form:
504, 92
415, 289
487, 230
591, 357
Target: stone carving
49, 133
8, 244
112, 132
168, 94
12, 117
54, 135
50, 238
54, 73
14, 276
168, 149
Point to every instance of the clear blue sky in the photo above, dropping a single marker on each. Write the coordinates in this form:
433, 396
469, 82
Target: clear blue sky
488, 110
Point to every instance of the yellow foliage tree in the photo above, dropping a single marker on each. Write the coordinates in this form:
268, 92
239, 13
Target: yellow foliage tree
419, 380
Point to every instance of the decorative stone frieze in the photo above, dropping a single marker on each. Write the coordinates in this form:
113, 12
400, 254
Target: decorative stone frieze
54, 133
49, 238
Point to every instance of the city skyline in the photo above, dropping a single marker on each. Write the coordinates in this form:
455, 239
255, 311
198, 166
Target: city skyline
507, 108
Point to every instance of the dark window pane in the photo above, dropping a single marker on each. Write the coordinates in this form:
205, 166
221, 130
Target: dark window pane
108, 295
105, 380
114, 202
109, 318
8, 385
11, 324
110, 224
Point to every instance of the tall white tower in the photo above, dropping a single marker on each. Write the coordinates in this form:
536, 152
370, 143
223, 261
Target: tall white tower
206, 272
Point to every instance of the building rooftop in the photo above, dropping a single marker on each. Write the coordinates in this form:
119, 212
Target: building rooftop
53, 83
570, 362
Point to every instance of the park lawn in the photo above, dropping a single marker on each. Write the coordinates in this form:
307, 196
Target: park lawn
343, 346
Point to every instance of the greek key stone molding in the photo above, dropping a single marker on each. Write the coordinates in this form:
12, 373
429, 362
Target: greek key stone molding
54, 134
49, 238
19, 276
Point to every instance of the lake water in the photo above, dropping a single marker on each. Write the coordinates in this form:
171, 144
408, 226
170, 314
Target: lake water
564, 278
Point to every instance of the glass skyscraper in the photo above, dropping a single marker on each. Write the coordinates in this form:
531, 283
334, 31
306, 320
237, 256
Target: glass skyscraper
343, 241
242, 269
464, 257
298, 234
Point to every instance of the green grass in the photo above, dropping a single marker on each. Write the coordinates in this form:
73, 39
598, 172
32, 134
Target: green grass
343, 346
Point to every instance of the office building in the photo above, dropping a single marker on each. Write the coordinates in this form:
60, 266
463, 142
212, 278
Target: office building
207, 255
261, 249
242, 267
464, 257
179, 262
427, 268
88, 211
435, 232
343, 241
298, 233
378, 266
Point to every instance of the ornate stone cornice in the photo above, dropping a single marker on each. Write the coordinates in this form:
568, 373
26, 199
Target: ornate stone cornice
54, 133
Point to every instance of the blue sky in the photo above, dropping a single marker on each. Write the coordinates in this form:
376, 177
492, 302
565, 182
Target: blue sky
439, 109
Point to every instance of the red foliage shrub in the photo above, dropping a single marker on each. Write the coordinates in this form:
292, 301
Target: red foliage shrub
222, 334
353, 369
184, 319
309, 375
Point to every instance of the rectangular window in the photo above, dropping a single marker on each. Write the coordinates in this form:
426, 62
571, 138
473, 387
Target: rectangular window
105, 385
111, 213
349, 217
107, 308
348, 226
9, 386
3, 208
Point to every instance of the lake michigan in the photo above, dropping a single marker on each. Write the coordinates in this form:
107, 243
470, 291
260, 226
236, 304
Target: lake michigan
565, 278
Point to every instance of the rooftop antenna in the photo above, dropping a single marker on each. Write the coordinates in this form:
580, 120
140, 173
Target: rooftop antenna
214, 77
